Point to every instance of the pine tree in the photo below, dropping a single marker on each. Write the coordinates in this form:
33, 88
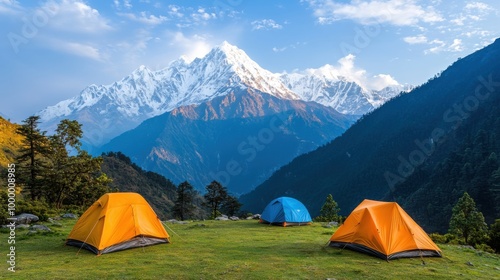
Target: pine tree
467, 222
330, 210
231, 205
215, 196
184, 207
32, 157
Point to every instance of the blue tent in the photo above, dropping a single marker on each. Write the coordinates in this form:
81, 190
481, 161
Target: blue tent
285, 211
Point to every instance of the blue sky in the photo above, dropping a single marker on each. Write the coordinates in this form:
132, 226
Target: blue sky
51, 50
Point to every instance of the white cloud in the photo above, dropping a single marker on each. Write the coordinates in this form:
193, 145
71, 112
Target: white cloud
175, 11
10, 7
419, 39
79, 49
77, 17
202, 15
192, 47
438, 46
441, 46
126, 4
478, 6
459, 20
396, 12
291, 46
189, 16
456, 46
144, 18
266, 24
381, 81
282, 49
346, 68
473, 11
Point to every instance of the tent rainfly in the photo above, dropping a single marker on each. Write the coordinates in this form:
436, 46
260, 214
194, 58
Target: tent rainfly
285, 211
117, 221
385, 230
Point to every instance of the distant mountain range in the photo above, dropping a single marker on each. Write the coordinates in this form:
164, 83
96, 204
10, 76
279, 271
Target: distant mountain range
198, 121
106, 111
422, 149
238, 139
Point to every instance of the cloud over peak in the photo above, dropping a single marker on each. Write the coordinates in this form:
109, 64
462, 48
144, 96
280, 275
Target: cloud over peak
394, 12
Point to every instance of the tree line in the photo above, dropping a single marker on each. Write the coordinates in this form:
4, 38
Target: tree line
54, 172
54, 169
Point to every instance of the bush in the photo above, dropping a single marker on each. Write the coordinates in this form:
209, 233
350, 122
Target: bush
453, 239
485, 248
3, 210
494, 242
38, 208
438, 238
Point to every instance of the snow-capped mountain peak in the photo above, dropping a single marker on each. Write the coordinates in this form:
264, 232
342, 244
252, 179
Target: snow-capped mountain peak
109, 110
247, 71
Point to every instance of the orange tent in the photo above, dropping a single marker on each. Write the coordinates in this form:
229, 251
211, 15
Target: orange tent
385, 230
117, 221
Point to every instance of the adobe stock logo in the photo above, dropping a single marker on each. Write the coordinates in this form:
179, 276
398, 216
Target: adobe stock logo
454, 117
250, 148
32, 24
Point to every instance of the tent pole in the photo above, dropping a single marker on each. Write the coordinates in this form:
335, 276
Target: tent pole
85, 241
171, 229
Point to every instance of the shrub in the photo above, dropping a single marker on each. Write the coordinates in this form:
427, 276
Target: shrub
453, 239
38, 208
494, 242
485, 248
438, 238
3, 210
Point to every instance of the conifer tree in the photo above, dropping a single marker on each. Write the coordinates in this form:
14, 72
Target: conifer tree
215, 196
231, 206
32, 157
467, 222
330, 210
184, 207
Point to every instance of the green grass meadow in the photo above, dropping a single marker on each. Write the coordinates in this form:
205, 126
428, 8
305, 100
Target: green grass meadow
233, 250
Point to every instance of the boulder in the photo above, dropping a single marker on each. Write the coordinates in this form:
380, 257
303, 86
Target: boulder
234, 218
24, 226
254, 217
69, 216
53, 222
222, 218
40, 228
26, 218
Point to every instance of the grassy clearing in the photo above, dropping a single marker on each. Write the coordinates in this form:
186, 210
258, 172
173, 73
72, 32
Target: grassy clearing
234, 250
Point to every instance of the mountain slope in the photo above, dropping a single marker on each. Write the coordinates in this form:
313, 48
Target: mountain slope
238, 139
379, 153
107, 111
127, 177
10, 142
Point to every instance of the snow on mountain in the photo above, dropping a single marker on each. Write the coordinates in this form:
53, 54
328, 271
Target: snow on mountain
109, 110
346, 94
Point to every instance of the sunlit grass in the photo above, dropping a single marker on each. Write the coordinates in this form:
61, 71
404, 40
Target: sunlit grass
234, 250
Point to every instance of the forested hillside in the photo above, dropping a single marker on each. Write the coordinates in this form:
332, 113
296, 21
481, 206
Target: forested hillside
128, 177
9, 142
423, 148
